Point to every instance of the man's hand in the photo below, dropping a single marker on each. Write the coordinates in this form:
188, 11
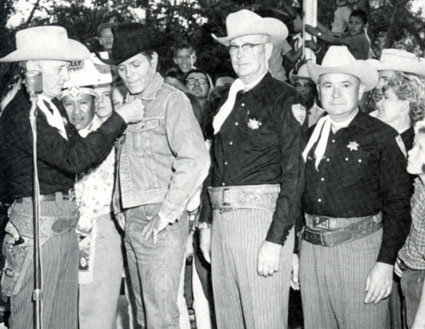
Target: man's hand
132, 112
268, 258
154, 227
205, 243
379, 283
295, 283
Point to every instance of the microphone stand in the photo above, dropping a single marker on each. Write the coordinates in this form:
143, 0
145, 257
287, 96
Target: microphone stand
37, 293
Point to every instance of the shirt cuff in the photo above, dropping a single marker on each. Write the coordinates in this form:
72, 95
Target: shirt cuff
170, 212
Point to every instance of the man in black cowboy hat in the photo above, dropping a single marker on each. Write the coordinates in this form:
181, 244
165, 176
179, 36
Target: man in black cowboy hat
61, 154
162, 162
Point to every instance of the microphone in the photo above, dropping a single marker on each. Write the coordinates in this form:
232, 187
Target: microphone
33, 82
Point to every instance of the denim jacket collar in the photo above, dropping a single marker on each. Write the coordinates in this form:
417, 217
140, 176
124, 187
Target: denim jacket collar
152, 88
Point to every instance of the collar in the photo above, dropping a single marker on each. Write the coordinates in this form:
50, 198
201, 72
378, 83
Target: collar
262, 85
92, 126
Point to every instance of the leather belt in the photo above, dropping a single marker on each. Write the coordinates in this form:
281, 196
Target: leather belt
361, 227
58, 196
244, 197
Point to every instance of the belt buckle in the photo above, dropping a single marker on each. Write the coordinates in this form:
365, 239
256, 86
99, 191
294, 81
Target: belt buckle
225, 197
323, 240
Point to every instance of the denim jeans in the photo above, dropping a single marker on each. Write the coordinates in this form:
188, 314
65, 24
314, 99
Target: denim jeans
411, 287
155, 268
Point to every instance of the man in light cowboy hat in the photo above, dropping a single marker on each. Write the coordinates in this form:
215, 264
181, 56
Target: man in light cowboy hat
62, 154
162, 162
305, 86
256, 181
356, 201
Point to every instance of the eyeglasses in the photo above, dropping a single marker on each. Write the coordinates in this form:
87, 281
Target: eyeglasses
246, 47
200, 81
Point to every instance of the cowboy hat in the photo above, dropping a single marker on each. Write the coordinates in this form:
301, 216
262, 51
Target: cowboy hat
302, 73
46, 43
131, 39
338, 59
246, 22
399, 60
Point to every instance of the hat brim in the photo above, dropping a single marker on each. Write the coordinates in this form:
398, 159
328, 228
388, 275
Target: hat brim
70, 51
416, 68
359, 69
269, 26
292, 76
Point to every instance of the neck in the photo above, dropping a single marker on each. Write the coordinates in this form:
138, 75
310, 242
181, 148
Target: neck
401, 124
257, 78
202, 101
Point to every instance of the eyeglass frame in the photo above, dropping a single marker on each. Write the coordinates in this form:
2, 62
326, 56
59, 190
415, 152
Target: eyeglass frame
247, 48
205, 81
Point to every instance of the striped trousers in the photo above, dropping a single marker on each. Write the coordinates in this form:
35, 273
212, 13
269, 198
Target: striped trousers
333, 281
242, 298
59, 263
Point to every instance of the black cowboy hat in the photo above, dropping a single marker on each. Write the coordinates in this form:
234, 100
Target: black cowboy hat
131, 39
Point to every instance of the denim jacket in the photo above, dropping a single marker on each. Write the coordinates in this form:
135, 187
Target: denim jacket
163, 158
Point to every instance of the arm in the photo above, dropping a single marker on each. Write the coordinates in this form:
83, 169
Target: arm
191, 162
325, 36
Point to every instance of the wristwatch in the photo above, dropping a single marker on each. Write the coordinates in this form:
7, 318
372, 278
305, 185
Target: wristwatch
319, 34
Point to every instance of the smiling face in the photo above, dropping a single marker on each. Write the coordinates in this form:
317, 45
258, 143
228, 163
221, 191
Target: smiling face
251, 64
137, 72
103, 101
106, 38
80, 110
185, 59
391, 108
340, 94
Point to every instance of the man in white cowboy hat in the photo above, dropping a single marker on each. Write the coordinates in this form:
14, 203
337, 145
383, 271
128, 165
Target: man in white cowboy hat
256, 182
61, 154
356, 202
305, 86
161, 163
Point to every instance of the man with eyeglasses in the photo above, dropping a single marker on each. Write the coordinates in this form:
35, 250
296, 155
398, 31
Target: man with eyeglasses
259, 134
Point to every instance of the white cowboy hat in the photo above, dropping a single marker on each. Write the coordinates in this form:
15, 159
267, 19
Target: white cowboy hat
302, 73
338, 59
399, 60
246, 22
46, 43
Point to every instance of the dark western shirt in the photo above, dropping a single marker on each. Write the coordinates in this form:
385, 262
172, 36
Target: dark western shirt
58, 159
261, 143
362, 173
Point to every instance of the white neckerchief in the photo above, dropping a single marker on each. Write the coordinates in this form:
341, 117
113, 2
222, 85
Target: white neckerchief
54, 118
321, 132
227, 107
92, 126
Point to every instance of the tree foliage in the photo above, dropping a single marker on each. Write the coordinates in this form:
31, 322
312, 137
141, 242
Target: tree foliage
392, 22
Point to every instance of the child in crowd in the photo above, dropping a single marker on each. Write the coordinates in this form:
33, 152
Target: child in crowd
355, 38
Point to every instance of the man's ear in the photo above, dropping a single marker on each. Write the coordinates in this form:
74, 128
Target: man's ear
154, 60
362, 88
32, 66
269, 48
194, 58
175, 60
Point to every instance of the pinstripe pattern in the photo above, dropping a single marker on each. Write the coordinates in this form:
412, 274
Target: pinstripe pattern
243, 299
59, 257
333, 280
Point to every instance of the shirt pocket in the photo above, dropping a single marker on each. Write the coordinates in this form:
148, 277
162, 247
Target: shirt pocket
143, 136
355, 167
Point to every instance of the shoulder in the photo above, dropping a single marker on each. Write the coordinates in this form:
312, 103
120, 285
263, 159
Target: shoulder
380, 131
17, 109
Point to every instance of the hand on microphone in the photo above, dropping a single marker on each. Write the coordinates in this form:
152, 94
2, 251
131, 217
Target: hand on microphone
132, 112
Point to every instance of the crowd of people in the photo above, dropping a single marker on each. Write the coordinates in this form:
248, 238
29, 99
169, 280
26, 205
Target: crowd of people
311, 179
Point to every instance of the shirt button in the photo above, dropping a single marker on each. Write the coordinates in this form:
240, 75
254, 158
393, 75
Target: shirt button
223, 183
225, 163
346, 159
243, 104
236, 123
319, 200
322, 179
360, 160
327, 159
230, 143
333, 141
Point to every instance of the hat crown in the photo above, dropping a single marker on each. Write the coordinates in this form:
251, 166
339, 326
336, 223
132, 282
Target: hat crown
337, 56
55, 35
239, 21
391, 54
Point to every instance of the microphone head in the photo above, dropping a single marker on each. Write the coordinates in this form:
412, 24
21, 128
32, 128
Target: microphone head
33, 82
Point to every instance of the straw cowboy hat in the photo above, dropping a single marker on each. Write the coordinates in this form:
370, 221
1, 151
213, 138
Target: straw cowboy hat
302, 73
46, 43
338, 59
399, 60
131, 39
246, 22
